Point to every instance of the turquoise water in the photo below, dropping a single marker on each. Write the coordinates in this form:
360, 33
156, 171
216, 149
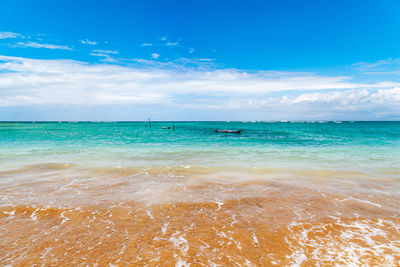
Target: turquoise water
300, 193
371, 147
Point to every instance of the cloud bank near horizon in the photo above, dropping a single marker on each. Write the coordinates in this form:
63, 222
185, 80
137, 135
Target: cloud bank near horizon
34, 83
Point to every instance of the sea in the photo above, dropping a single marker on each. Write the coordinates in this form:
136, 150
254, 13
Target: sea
280, 193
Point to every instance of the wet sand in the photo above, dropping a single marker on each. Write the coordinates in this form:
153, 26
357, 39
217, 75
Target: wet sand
220, 222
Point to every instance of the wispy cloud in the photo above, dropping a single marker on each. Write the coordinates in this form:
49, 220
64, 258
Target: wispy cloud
104, 57
385, 66
114, 52
164, 42
7, 35
161, 44
155, 55
88, 42
197, 63
39, 45
30, 82
99, 54
378, 63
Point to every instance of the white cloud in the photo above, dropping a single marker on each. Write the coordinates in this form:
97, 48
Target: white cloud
6, 35
163, 38
191, 50
105, 57
98, 54
155, 55
206, 59
88, 42
161, 44
383, 62
386, 66
366, 102
199, 63
39, 45
328, 105
30, 82
114, 52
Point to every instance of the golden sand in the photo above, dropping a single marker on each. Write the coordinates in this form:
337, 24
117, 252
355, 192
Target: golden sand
243, 232
59, 215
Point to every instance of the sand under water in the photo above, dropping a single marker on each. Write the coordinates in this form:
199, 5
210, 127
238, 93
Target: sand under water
64, 215
290, 205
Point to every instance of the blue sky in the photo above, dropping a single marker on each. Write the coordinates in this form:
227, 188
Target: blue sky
199, 60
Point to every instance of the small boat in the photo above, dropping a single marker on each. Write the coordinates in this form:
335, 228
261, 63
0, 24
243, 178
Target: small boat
166, 127
228, 131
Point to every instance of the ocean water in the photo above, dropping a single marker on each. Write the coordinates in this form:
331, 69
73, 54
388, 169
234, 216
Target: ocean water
279, 193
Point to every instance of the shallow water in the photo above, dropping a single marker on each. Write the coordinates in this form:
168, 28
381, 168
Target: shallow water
124, 193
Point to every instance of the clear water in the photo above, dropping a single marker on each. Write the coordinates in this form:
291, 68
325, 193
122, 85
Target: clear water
372, 147
122, 193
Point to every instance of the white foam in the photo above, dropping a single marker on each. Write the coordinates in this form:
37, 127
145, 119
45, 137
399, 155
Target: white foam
219, 203
33, 215
123, 249
249, 263
9, 213
181, 263
164, 228
363, 201
234, 220
149, 214
255, 239
65, 218
179, 242
355, 242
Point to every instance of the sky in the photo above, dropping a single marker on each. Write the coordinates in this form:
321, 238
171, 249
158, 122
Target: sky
199, 60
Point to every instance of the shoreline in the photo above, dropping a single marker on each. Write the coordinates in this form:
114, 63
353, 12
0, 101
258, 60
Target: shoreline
243, 231
278, 194
121, 219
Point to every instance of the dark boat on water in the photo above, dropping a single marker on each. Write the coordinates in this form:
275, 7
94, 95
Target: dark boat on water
228, 131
